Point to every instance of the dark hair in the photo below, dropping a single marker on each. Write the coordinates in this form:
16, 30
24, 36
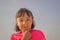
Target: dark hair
20, 13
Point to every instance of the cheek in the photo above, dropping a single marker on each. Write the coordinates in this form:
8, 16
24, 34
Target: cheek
30, 24
19, 25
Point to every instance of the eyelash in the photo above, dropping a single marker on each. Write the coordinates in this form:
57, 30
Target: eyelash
21, 20
26, 20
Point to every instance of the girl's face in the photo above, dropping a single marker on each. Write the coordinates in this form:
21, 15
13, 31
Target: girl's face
24, 22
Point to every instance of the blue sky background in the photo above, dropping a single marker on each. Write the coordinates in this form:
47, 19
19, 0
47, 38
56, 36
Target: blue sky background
46, 15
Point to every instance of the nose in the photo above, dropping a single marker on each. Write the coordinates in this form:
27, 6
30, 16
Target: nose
23, 22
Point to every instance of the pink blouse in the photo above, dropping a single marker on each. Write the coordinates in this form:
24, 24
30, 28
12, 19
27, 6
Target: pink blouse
36, 35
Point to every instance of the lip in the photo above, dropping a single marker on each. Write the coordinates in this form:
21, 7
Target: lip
25, 26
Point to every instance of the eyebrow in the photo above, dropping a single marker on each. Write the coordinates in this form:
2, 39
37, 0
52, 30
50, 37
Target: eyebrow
20, 18
26, 17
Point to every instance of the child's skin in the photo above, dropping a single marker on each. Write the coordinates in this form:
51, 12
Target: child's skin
24, 23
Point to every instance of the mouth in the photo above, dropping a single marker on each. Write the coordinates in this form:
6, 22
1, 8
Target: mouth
25, 27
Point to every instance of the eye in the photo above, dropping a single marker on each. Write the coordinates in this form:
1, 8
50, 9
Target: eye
28, 19
21, 20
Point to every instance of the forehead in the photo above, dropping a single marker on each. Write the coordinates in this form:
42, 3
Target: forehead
23, 15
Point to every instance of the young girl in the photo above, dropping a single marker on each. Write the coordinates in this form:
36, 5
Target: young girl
24, 27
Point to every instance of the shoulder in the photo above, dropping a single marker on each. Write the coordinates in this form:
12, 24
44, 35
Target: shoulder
39, 34
15, 35
36, 31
